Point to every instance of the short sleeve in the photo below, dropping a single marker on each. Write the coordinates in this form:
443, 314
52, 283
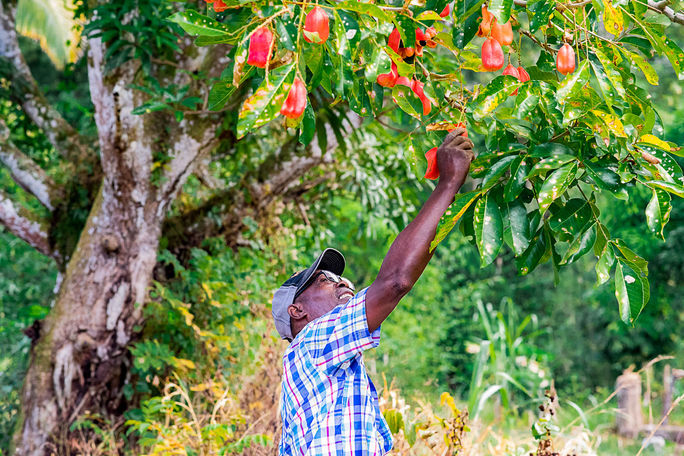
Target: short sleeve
341, 334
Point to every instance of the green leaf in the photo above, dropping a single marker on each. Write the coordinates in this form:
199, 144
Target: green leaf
611, 72
676, 57
670, 187
582, 244
603, 265
555, 185
496, 171
221, 91
429, 15
520, 227
531, 257
638, 263
658, 212
405, 99
308, 125
488, 228
364, 8
606, 179
461, 203
264, 105
195, 23
542, 12
403, 68
644, 66
573, 82
547, 164
501, 9
569, 219
631, 290
604, 84
496, 92
515, 184
395, 420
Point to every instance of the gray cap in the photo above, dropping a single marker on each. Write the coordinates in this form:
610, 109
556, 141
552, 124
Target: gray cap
330, 260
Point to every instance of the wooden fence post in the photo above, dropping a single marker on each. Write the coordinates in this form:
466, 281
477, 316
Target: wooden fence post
629, 417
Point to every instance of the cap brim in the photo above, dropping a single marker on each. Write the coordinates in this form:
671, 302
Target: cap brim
330, 260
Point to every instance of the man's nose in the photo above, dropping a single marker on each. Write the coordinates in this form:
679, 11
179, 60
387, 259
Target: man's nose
344, 282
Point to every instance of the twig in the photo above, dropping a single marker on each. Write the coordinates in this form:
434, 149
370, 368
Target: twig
646, 440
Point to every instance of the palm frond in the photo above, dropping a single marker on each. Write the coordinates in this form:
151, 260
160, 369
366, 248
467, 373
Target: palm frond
52, 24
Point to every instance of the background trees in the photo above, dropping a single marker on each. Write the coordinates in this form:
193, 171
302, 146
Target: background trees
138, 165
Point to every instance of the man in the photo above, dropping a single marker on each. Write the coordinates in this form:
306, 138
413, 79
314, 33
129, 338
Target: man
329, 406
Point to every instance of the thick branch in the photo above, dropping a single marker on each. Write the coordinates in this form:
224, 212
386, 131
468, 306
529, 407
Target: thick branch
61, 135
26, 172
25, 225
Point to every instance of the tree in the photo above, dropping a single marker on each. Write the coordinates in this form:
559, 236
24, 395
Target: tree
158, 123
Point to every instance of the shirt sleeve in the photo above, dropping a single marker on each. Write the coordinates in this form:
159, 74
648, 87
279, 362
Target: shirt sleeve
341, 334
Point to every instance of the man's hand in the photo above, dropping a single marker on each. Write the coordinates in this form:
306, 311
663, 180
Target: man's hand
454, 157
410, 251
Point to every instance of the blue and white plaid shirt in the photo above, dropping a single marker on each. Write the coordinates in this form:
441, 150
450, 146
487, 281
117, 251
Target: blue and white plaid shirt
329, 405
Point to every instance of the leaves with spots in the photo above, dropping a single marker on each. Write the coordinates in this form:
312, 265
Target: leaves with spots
496, 171
496, 92
501, 9
612, 18
658, 212
670, 187
453, 214
568, 219
644, 66
573, 82
631, 290
555, 185
542, 12
264, 105
548, 164
197, 24
519, 227
675, 55
514, 186
488, 227
580, 245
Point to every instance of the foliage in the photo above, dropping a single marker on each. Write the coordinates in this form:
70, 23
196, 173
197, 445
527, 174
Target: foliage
597, 138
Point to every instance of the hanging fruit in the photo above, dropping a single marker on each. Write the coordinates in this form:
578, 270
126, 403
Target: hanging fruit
430, 33
432, 170
485, 27
523, 75
445, 11
502, 33
565, 60
394, 40
295, 103
403, 80
316, 26
417, 88
512, 71
492, 55
388, 79
260, 47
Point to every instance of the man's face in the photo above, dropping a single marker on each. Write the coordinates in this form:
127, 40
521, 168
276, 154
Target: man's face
326, 291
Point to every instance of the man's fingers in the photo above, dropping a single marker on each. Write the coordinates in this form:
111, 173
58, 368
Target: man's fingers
460, 141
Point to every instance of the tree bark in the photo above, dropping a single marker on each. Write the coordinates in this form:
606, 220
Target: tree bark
79, 361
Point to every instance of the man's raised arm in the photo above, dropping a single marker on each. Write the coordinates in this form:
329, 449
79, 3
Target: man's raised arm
410, 252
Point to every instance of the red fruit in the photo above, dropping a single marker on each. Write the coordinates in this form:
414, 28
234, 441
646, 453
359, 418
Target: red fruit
219, 6
421, 38
445, 11
512, 71
417, 88
432, 170
296, 100
502, 33
430, 32
492, 55
458, 125
260, 47
565, 60
394, 40
403, 80
485, 26
523, 75
388, 79
317, 22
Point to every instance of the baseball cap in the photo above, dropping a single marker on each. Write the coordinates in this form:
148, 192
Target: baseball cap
330, 260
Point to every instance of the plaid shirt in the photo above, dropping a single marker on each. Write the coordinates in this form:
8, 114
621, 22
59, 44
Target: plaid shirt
329, 405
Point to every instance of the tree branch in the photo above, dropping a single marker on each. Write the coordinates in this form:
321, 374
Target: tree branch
26, 172
660, 7
61, 135
25, 225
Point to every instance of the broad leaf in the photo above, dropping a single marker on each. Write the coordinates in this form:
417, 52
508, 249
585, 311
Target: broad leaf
501, 9
264, 105
195, 23
555, 185
571, 217
519, 226
631, 290
658, 212
612, 18
573, 82
516, 182
581, 245
452, 215
603, 265
670, 187
542, 13
496, 92
488, 227
496, 171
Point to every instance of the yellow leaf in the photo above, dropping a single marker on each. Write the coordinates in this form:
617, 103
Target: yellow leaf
655, 141
612, 122
612, 19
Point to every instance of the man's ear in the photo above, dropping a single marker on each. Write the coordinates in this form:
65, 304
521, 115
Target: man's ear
296, 311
